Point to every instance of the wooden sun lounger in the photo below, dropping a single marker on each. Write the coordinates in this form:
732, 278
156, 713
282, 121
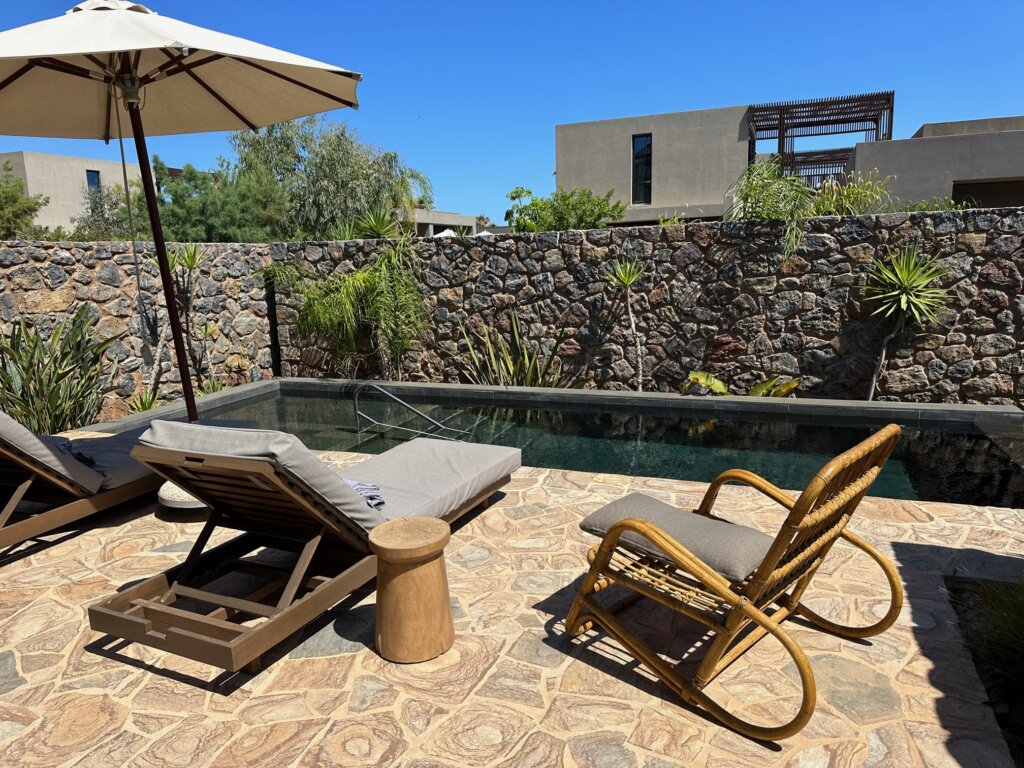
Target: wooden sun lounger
274, 511
22, 479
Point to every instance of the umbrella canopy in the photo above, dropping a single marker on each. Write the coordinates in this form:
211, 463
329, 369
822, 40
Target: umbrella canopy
74, 75
56, 76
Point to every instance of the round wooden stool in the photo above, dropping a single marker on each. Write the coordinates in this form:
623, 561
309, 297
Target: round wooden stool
414, 612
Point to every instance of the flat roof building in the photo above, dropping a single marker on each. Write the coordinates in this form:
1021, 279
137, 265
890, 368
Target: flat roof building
684, 163
64, 179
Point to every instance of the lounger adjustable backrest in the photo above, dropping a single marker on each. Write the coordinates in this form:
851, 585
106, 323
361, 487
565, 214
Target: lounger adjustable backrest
258, 480
22, 452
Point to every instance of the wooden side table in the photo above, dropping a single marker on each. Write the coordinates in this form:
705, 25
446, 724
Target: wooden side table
414, 612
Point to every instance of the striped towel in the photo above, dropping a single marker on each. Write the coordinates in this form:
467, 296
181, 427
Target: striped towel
368, 491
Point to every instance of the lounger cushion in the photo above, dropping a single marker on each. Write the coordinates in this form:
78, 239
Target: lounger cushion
287, 453
17, 438
735, 551
433, 478
111, 457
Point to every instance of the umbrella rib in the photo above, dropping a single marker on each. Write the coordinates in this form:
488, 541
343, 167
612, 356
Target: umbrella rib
16, 75
167, 68
70, 69
224, 102
293, 81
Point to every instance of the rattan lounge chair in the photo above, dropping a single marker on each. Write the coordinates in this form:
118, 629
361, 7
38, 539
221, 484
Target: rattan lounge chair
736, 581
43, 488
230, 605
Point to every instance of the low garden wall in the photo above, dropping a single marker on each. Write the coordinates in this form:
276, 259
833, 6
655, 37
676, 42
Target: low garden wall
718, 297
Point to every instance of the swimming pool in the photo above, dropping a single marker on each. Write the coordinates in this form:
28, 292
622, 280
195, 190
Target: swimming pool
960, 465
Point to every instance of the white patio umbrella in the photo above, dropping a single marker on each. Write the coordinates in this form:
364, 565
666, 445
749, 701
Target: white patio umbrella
76, 75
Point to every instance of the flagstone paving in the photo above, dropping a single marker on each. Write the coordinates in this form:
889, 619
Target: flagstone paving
515, 691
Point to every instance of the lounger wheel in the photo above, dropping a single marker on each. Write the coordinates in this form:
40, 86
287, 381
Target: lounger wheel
895, 598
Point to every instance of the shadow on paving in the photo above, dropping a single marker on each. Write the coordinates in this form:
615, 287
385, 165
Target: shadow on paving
961, 705
107, 519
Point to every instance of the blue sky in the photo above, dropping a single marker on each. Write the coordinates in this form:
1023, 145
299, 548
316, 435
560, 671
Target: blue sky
470, 92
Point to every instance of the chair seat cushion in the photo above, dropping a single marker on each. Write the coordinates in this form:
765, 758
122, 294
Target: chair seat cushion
433, 478
734, 551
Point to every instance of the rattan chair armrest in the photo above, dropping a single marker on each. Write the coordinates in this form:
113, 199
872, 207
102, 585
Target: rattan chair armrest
756, 482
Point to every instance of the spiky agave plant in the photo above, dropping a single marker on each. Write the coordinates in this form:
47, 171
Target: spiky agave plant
904, 290
624, 274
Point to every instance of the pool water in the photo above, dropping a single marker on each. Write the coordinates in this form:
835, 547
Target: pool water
965, 467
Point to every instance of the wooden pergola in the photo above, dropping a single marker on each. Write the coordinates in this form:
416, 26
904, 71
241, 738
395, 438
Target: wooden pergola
785, 121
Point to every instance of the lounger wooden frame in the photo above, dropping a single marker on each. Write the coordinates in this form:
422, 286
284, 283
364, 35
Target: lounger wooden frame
273, 510
28, 480
739, 615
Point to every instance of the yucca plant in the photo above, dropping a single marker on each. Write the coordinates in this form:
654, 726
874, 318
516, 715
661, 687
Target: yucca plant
624, 274
495, 362
345, 231
903, 288
378, 223
212, 385
58, 383
146, 400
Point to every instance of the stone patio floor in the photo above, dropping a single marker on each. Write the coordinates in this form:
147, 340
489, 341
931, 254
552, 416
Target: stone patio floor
515, 690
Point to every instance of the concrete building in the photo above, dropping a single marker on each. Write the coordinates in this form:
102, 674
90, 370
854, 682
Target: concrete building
683, 163
64, 180
660, 165
979, 160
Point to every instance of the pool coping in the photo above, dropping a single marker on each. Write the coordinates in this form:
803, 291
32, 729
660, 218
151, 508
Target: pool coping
999, 420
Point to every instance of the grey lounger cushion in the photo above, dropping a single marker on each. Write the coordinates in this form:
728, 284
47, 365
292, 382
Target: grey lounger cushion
23, 441
734, 551
112, 457
431, 478
286, 452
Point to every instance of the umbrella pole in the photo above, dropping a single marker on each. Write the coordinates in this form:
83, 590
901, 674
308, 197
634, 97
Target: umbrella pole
161, 257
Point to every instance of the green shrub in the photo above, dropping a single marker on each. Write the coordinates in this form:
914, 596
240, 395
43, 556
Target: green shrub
376, 312
763, 191
853, 195
58, 383
771, 387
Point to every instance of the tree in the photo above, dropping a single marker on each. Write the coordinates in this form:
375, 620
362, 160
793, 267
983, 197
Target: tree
104, 216
577, 208
17, 209
329, 177
483, 221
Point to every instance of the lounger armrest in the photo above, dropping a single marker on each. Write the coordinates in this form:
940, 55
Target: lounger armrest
755, 481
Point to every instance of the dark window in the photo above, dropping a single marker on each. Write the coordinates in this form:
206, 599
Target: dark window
642, 169
92, 180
